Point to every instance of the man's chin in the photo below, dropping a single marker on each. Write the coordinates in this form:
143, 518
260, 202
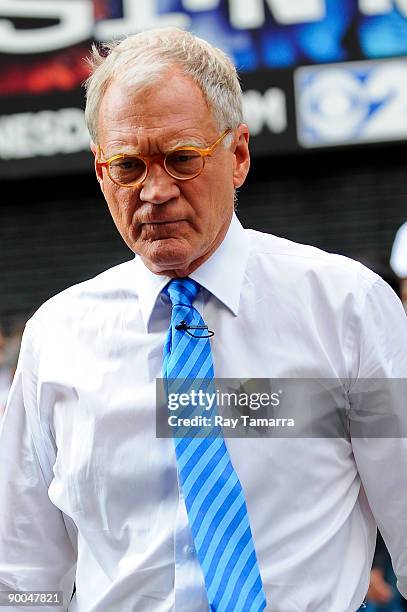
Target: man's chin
167, 255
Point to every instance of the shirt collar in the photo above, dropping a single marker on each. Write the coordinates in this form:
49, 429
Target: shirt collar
222, 274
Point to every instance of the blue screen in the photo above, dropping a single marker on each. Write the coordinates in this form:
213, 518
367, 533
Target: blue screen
345, 33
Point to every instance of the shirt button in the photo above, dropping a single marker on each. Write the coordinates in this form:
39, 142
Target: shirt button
189, 551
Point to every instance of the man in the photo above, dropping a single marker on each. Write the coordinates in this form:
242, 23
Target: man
88, 491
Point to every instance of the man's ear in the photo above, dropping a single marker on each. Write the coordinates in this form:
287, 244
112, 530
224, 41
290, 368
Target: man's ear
98, 169
242, 155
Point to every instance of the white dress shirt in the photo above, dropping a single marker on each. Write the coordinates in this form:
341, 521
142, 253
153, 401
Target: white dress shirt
88, 493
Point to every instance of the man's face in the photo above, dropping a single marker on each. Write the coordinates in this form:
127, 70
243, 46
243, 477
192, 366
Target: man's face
173, 225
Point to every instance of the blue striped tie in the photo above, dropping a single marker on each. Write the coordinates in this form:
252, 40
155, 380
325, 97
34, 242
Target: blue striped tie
214, 498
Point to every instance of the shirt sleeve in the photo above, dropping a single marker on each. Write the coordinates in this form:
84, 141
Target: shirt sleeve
380, 445
37, 542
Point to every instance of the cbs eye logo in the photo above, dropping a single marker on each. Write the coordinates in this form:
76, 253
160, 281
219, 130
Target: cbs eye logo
351, 103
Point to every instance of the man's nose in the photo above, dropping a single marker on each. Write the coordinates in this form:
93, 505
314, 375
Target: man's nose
158, 187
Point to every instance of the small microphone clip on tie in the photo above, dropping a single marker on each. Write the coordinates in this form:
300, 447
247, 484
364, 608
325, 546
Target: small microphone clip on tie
184, 327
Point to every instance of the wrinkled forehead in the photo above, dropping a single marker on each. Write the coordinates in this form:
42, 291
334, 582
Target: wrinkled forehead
172, 112
169, 82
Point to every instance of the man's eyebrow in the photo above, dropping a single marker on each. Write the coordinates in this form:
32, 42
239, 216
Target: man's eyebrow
191, 142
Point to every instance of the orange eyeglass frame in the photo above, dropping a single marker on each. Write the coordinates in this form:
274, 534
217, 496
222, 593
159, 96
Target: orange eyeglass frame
161, 159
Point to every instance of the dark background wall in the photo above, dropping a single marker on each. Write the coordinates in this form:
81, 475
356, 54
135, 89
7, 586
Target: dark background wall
57, 231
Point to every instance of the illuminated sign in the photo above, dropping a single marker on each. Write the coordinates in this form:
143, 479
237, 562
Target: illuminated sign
321, 46
352, 103
44, 133
48, 132
286, 31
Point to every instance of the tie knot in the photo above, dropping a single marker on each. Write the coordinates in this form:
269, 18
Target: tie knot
182, 291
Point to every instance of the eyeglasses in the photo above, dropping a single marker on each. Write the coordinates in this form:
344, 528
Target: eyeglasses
183, 164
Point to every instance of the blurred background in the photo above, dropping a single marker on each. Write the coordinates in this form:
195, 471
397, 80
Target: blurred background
325, 97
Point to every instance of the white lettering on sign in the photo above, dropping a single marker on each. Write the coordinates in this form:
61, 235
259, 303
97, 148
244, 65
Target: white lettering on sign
375, 7
139, 15
402, 6
45, 133
382, 7
268, 109
333, 105
200, 5
351, 103
388, 82
75, 25
246, 14
76, 21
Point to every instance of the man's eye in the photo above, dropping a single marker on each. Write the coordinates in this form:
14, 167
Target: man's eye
127, 164
183, 157
184, 163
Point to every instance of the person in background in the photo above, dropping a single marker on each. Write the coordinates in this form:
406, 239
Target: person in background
382, 595
398, 261
380, 591
9, 349
5, 374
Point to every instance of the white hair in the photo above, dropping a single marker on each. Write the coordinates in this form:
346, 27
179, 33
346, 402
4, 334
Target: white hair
141, 61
